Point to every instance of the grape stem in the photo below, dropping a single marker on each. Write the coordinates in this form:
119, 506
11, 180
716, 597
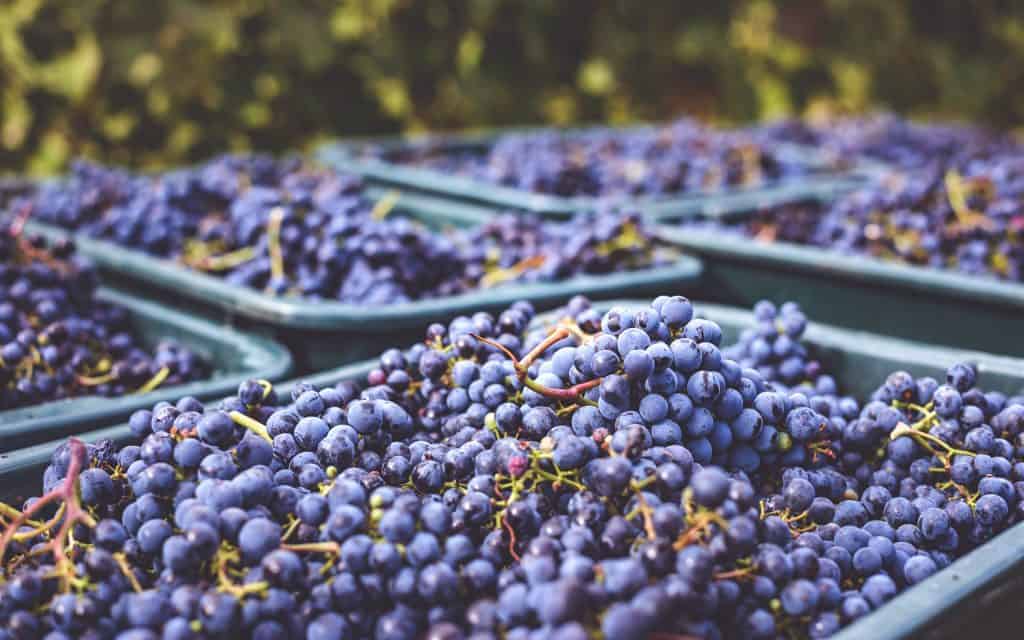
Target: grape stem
698, 528
275, 219
26, 251
958, 192
499, 276
735, 573
553, 338
92, 381
227, 555
251, 424
17, 225
290, 530
648, 515
155, 381
570, 394
903, 429
126, 569
313, 547
384, 206
511, 536
68, 494
225, 261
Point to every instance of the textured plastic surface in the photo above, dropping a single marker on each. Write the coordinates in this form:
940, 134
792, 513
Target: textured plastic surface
238, 356
918, 303
325, 334
859, 361
822, 179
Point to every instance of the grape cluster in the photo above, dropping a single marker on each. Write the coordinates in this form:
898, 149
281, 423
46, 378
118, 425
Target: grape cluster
159, 213
964, 215
13, 187
883, 137
288, 229
681, 157
793, 222
774, 348
526, 248
612, 475
58, 341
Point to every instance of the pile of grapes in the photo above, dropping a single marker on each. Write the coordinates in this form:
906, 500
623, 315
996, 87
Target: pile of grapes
963, 210
11, 188
623, 475
285, 228
884, 137
678, 158
57, 340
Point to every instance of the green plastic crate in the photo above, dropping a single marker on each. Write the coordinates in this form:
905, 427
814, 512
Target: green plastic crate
238, 356
823, 179
918, 303
325, 334
935, 608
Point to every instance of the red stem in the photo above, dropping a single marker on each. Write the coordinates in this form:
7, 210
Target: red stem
499, 347
511, 537
570, 393
536, 352
18, 224
66, 491
521, 366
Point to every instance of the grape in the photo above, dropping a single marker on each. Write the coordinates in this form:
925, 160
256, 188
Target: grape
950, 199
288, 229
58, 340
679, 157
918, 568
882, 137
581, 503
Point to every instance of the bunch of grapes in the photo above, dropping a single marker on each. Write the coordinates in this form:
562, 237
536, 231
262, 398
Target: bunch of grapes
884, 137
612, 475
57, 340
286, 228
773, 347
677, 158
963, 214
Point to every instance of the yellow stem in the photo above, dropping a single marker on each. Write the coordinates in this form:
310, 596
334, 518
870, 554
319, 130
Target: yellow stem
645, 510
126, 569
155, 381
224, 261
313, 547
267, 387
274, 242
251, 424
903, 429
7, 511
92, 381
499, 276
958, 191
41, 528
385, 205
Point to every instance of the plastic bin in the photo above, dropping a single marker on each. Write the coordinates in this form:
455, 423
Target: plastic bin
859, 361
824, 178
326, 334
238, 356
918, 303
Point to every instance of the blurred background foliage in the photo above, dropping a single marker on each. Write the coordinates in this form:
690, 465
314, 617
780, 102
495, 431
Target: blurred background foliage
160, 82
